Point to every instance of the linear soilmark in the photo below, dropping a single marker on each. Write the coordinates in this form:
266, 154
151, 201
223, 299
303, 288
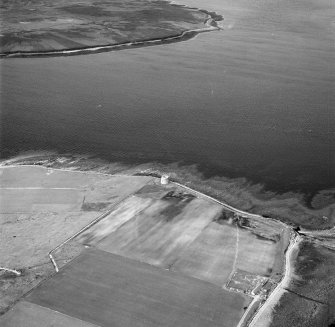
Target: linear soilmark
16, 272
53, 261
236, 255
305, 297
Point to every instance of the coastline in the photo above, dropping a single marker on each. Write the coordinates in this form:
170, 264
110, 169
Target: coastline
184, 36
262, 302
210, 25
238, 193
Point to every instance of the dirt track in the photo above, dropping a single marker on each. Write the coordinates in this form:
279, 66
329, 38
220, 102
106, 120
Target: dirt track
264, 314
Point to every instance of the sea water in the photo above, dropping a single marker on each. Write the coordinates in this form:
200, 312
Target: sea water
254, 100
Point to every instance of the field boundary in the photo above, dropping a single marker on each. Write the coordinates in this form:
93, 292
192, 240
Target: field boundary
95, 221
227, 206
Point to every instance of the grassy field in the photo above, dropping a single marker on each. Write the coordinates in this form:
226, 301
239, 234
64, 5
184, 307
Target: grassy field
40, 25
312, 286
299, 312
40, 208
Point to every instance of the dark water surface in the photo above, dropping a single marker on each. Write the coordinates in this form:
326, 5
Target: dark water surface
254, 100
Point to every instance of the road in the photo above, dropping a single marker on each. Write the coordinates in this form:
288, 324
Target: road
227, 206
274, 297
256, 299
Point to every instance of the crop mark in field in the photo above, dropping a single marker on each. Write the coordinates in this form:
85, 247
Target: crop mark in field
235, 257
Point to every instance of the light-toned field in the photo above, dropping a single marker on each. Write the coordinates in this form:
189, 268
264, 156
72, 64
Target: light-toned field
170, 228
28, 314
222, 249
39, 208
211, 256
255, 255
157, 237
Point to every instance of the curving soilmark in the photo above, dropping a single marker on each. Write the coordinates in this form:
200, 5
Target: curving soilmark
16, 272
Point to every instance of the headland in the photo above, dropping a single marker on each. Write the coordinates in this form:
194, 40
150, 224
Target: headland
40, 28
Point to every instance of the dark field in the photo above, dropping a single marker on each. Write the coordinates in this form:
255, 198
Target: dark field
41, 26
299, 312
108, 290
312, 289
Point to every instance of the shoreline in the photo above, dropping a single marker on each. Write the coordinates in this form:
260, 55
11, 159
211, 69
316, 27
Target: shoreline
244, 213
261, 302
238, 192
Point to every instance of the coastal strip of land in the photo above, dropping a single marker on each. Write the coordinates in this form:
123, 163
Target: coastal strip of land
73, 28
172, 227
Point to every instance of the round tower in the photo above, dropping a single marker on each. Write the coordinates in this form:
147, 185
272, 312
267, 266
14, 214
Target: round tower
164, 179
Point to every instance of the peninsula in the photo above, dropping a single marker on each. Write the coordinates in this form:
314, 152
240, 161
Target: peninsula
44, 28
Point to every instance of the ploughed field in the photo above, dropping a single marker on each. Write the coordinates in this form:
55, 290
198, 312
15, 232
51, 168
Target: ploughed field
169, 228
41, 25
109, 290
157, 249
